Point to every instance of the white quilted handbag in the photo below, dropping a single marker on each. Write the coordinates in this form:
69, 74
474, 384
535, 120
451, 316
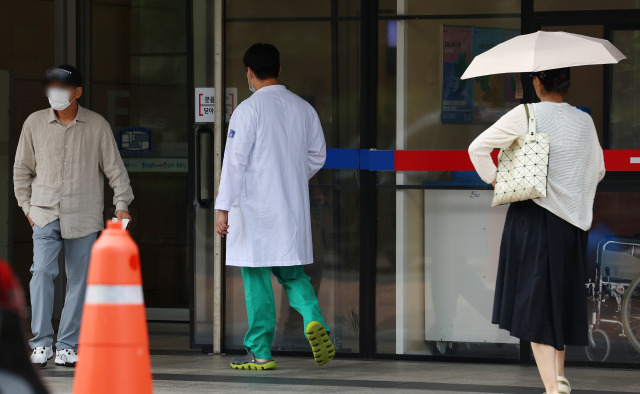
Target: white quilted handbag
522, 167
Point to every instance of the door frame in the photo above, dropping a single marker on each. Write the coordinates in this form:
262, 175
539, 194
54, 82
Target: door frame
369, 20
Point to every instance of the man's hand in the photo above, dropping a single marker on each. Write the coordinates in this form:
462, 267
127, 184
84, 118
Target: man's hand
29, 219
122, 215
493, 184
221, 223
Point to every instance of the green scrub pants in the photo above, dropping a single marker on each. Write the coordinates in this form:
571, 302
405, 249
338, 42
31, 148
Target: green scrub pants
261, 309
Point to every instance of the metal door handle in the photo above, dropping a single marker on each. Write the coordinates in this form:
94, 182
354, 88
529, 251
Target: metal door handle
204, 165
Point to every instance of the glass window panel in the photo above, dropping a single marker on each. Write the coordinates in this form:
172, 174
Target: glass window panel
305, 56
425, 129
387, 7
613, 266
334, 273
625, 92
581, 5
587, 82
446, 246
277, 8
27, 52
29, 48
436, 281
420, 7
139, 79
349, 8
436, 277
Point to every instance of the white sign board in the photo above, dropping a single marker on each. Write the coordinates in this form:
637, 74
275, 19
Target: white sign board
205, 101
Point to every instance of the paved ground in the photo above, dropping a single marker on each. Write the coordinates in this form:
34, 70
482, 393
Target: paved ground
178, 370
198, 373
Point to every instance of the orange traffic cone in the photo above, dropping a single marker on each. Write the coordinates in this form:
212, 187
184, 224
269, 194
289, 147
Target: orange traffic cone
113, 353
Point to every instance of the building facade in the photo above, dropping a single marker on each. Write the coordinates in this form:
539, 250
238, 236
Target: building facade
405, 243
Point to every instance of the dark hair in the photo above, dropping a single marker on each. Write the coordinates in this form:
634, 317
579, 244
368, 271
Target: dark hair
263, 60
557, 80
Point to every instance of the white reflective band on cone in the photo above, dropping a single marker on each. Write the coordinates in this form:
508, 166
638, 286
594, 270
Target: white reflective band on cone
114, 294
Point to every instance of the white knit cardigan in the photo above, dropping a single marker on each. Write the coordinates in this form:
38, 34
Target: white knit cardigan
576, 162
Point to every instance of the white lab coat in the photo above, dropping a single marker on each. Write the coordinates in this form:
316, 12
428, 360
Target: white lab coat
274, 146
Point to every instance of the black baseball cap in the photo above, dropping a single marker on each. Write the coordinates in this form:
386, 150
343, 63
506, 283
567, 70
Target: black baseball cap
65, 74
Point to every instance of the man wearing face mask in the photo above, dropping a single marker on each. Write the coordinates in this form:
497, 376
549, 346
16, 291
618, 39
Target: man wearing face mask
63, 155
274, 146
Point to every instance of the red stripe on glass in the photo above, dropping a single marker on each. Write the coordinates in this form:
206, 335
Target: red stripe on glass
458, 160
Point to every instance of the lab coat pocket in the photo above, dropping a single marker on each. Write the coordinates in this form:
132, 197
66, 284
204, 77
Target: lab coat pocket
238, 243
288, 235
235, 219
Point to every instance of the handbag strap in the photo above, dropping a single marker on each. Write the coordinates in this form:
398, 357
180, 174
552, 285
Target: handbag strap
531, 126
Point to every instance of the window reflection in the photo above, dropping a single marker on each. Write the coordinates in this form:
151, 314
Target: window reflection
139, 79
440, 266
613, 270
625, 89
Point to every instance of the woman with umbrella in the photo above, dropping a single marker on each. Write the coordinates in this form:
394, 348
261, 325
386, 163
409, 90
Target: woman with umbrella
540, 293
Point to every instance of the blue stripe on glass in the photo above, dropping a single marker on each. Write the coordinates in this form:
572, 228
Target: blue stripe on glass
377, 160
342, 159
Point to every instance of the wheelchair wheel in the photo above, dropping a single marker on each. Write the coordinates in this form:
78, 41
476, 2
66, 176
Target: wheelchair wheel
631, 313
599, 352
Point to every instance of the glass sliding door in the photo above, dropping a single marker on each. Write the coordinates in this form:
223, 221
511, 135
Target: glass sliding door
22, 66
608, 93
319, 44
437, 257
139, 83
614, 239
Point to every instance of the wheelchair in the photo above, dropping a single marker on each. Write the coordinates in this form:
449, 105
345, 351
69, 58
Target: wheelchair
615, 296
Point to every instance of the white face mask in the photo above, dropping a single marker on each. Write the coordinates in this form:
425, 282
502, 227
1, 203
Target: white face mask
251, 88
59, 98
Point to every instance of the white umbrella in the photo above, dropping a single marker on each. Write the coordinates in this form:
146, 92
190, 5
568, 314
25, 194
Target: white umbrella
541, 51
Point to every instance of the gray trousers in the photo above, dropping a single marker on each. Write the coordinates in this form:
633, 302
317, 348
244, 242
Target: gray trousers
47, 243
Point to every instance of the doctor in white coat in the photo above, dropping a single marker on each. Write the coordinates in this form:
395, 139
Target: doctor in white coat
274, 146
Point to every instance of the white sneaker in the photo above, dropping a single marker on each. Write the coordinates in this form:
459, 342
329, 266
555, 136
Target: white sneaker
41, 354
66, 358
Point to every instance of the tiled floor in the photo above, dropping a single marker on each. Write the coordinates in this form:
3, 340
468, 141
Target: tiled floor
178, 370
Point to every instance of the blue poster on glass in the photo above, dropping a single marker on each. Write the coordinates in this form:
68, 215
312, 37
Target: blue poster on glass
481, 100
488, 90
457, 94
134, 141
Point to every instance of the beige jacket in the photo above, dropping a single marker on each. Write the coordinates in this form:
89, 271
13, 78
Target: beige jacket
59, 171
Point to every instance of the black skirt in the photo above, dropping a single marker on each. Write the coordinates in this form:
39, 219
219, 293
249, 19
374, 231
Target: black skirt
540, 289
